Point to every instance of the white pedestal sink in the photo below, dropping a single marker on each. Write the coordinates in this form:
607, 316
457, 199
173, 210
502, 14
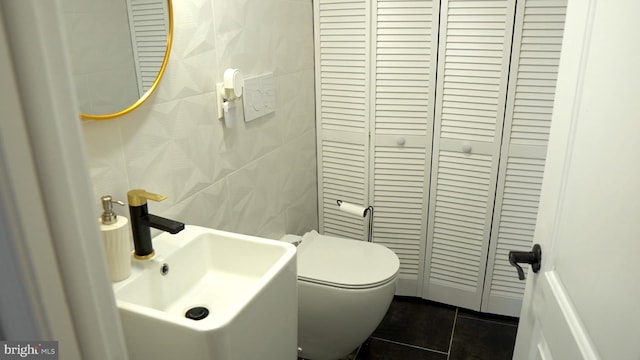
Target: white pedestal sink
248, 285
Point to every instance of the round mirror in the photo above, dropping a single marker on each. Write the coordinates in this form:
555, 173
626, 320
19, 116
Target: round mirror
118, 50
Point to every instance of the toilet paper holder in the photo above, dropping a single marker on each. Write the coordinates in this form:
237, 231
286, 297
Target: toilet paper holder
358, 211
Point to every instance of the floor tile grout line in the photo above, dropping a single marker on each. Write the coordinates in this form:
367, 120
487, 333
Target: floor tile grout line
453, 330
489, 321
409, 345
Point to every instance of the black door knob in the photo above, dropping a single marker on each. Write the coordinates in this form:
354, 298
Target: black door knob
533, 257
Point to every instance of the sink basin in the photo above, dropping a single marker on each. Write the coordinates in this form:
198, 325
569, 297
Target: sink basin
247, 284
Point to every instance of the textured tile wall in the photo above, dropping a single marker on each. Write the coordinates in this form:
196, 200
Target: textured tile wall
258, 178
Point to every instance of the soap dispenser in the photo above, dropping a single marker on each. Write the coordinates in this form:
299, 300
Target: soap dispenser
116, 239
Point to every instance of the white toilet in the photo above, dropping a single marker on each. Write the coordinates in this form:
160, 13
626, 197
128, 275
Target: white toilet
344, 290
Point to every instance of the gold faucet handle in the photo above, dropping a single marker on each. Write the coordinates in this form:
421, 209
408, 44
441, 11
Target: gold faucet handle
139, 197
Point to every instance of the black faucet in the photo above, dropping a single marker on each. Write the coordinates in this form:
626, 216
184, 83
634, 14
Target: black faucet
142, 222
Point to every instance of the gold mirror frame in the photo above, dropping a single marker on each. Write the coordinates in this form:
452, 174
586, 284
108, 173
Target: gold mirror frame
153, 87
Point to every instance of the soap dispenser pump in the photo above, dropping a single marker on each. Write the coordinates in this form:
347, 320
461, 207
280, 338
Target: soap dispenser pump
108, 215
116, 239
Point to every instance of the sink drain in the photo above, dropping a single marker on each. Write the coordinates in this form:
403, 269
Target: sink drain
197, 313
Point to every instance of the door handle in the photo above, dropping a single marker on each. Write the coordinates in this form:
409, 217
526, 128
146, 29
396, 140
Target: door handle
533, 257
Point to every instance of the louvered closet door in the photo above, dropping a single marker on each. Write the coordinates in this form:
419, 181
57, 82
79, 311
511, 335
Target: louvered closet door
404, 66
342, 111
534, 69
149, 27
473, 64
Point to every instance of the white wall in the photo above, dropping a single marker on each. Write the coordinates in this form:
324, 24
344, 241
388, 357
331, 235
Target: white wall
258, 178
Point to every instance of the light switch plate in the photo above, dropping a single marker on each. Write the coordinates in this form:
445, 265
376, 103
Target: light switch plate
259, 97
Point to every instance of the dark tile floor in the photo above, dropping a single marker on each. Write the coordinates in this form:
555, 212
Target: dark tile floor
416, 329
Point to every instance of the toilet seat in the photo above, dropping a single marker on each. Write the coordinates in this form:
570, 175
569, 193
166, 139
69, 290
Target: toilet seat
345, 263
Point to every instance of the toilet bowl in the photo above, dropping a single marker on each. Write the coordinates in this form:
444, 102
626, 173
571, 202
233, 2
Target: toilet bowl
344, 290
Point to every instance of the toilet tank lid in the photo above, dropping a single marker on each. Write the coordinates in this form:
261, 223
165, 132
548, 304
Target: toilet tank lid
345, 262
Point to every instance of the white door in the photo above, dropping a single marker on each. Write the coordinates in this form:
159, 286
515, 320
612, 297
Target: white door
584, 302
